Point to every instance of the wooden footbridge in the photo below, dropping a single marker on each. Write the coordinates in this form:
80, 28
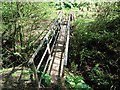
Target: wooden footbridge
51, 55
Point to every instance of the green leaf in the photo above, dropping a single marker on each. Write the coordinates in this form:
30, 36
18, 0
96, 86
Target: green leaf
18, 54
72, 84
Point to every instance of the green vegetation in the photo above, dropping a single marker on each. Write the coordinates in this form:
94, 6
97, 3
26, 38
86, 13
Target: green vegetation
24, 24
46, 80
76, 83
23, 27
94, 49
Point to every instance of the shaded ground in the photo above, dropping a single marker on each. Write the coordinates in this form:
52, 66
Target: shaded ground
17, 79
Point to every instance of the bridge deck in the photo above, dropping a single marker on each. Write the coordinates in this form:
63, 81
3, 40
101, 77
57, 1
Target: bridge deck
57, 59
55, 53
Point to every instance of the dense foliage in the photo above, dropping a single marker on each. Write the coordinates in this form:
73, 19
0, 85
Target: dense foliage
95, 48
76, 83
23, 26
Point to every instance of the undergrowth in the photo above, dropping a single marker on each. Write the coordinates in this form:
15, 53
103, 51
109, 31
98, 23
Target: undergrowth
95, 48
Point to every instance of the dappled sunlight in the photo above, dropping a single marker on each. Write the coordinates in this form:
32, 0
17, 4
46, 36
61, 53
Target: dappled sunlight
60, 44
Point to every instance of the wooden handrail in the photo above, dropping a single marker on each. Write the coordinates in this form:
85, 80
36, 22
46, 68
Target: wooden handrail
67, 42
48, 38
31, 60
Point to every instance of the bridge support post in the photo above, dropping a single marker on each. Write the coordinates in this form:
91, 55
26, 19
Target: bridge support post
33, 68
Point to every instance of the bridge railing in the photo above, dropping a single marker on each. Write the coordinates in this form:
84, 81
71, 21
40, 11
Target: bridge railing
67, 42
48, 42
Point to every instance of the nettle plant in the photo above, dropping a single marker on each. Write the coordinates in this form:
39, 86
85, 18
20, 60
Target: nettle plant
76, 83
46, 79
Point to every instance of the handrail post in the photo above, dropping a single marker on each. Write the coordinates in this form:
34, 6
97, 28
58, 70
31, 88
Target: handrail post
33, 68
31, 62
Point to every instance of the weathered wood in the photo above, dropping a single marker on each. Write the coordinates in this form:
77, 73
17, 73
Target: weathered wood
49, 51
67, 42
57, 57
31, 60
48, 71
57, 51
47, 48
32, 65
33, 68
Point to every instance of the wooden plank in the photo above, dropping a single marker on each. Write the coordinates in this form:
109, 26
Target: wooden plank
31, 61
47, 49
52, 32
49, 68
57, 57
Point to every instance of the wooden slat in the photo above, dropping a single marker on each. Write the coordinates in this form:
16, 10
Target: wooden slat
49, 68
31, 60
47, 49
50, 35
57, 57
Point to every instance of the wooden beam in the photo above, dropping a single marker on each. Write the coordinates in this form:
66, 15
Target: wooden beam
67, 42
